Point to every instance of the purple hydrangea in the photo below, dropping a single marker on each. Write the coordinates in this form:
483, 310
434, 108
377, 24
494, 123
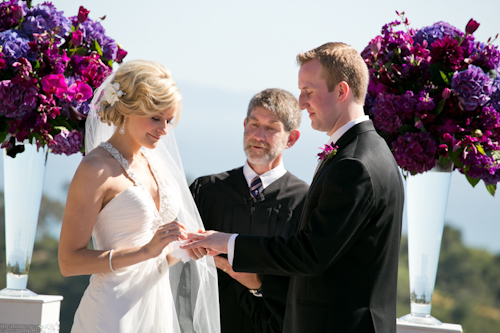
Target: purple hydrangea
437, 31
473, 87
14, 46
387, 116
415, 152
66, 142
495, 97
17, 99
94, 31
45, 17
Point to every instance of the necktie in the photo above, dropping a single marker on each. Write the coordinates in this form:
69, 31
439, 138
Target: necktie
254, 187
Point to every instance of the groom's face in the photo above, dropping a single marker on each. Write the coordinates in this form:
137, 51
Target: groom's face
265, 137
315, 97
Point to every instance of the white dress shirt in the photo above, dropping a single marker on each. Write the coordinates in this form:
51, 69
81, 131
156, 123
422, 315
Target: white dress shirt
267, 178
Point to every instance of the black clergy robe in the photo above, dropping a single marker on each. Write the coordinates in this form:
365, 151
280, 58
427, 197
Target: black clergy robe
225, 204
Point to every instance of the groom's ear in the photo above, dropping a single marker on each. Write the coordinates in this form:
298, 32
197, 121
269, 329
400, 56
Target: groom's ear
292, 138
342, 91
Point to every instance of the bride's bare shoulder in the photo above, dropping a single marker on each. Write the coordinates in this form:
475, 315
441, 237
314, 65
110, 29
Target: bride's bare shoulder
98, 163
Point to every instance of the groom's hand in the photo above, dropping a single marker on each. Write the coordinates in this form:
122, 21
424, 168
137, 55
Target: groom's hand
215, 242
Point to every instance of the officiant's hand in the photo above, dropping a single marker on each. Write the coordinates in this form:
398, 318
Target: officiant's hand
249, 280
213, 241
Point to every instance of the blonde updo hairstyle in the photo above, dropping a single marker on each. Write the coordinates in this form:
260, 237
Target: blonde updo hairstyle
149, 89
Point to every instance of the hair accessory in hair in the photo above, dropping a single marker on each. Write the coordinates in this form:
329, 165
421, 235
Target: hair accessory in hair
112, 93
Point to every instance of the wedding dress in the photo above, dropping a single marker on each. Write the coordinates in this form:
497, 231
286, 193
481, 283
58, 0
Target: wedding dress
136, 298
149, 296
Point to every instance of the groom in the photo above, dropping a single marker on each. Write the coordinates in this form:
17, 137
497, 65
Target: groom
343, 260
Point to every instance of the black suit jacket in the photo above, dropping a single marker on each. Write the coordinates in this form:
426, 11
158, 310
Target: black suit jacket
344, 258
225, 204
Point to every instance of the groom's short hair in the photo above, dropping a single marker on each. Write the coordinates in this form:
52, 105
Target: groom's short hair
341, 62
280, 102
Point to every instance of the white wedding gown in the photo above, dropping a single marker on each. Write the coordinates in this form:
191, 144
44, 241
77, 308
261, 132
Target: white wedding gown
136, 298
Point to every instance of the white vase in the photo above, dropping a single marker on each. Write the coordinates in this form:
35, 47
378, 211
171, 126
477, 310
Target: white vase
23, 183
426, 200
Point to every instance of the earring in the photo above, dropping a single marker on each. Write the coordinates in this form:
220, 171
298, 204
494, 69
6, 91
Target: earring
122, 129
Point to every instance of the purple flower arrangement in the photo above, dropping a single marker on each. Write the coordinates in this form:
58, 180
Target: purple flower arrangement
49, 67
434, 95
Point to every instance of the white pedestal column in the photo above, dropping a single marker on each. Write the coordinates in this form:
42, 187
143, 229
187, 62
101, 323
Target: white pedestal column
421, 328
38, 314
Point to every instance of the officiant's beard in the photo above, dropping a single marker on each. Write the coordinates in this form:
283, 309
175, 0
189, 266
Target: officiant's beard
268, 154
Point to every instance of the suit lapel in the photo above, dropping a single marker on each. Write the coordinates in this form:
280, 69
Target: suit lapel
343, 142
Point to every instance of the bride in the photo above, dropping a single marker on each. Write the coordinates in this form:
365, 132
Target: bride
131, 196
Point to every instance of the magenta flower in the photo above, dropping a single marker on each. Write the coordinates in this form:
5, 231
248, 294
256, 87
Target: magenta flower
120, 54
448, 52
82, 14
77, 38
78, 91
328, 152
55, 85
471, 27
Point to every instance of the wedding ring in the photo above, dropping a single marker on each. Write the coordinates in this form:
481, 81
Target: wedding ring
167, 232
224, 270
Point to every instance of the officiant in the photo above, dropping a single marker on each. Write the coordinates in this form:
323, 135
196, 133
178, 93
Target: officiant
260, 198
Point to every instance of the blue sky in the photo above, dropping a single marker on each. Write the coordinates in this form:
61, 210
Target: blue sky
223, 52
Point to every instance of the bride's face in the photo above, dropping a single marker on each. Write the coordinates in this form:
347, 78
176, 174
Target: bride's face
148, 130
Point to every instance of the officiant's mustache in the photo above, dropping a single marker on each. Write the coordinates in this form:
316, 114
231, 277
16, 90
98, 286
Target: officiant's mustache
255, 143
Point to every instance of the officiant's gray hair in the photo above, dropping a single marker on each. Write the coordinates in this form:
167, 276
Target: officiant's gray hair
280, 102
148, 89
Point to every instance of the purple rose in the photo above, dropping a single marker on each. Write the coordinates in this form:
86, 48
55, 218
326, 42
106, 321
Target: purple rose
473, 87
66, 142
415, 152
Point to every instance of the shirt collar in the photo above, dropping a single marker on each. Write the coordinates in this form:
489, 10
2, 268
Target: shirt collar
267, 178
341, 131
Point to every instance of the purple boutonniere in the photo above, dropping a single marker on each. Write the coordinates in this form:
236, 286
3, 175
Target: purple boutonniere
328, 152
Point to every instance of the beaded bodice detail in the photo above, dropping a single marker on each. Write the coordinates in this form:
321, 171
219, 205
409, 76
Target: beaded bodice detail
169, 207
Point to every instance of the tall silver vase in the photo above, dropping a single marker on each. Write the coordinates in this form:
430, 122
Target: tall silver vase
426, 200
23, 183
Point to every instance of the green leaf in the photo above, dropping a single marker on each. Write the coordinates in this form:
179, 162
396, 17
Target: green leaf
472, 181
60, 128
97, 47
444, 77
481, 149
454, 158
492, 189
440, 107
405, 128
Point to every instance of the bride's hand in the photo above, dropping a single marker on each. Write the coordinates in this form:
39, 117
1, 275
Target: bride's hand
167, 233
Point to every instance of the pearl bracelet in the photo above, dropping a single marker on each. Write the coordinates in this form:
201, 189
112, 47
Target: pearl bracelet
110, 258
